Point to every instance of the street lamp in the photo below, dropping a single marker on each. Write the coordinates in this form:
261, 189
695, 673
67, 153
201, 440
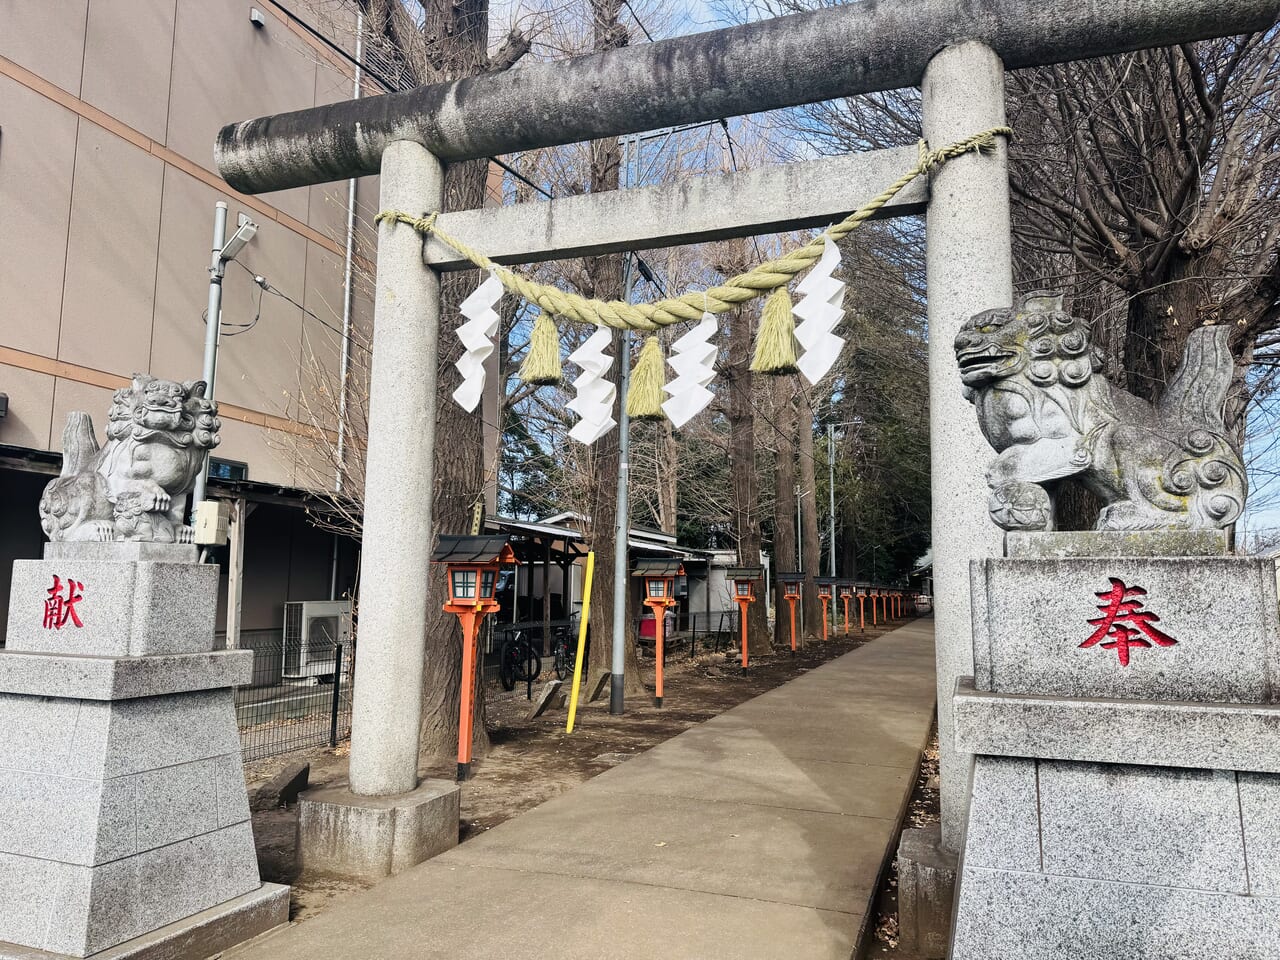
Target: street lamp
472, 566
224, 251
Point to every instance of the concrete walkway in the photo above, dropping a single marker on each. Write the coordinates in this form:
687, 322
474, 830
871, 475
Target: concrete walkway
758, 834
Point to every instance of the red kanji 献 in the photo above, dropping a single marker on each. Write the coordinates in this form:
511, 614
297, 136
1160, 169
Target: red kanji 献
60, 608
1124, 624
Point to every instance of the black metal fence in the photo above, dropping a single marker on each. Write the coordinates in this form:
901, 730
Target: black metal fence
292, 702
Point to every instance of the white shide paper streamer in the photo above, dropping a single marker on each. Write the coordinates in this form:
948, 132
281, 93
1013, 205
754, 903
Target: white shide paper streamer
594, 394
819, 312
693, 359
477, 341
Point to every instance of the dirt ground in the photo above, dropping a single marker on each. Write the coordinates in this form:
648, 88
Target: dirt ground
532, 761
923, 810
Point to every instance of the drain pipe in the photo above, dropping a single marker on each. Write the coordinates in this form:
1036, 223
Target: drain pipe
345, 363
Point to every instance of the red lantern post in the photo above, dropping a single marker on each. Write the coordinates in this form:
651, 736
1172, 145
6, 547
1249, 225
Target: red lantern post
744, 580
472, 564
846, 594
790, 583
826, 588
659, 594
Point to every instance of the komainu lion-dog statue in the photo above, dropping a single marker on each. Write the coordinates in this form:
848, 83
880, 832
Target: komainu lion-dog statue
135, 487
1033, 376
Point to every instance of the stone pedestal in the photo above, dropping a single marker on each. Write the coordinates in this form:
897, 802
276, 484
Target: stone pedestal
374, 837
1121, 810
123, 796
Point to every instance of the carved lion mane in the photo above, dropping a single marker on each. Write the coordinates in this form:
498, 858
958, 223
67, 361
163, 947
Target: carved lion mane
1034, 376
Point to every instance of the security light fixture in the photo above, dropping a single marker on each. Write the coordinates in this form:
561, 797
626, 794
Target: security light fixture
244, 233
256, 18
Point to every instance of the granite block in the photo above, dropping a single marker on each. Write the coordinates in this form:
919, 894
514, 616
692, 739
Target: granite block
152, 732
46, 903
122, 608
202, 935
1033, 617
25, 827
120, 551
1150, 825
229, 785
1260, 814
195, 874
1156, 733
1004, 816
372, 837
1003, 915
1061, 544
118, 678
137, 894
174, 803
44, 735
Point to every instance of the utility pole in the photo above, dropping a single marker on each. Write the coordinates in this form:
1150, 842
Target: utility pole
622, 530
622, 523
224, 251
831, 514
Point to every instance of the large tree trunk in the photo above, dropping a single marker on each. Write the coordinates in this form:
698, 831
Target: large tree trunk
460, 30
742, 469
810, 543
785, 559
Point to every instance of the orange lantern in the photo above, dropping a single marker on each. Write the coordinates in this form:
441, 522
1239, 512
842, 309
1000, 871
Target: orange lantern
826, 590
472, 568
846, 594
744, 581
791, 585
659, 593
864, 590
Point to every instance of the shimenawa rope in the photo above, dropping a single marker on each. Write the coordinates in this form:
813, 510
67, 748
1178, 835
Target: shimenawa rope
760, 280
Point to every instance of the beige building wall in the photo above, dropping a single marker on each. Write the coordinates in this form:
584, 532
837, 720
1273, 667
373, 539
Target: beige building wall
108, 114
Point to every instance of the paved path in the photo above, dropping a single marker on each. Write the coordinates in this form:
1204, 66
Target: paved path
758, 834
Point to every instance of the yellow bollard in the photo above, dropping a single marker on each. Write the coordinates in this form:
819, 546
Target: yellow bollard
582, 640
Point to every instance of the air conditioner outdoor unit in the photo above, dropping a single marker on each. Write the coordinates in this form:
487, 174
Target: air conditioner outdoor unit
312, 631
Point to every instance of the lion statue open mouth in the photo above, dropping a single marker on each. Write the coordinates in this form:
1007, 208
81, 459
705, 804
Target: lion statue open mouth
1033, 375
135, 487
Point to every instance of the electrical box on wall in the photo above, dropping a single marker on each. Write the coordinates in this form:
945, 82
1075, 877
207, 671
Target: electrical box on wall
213, 517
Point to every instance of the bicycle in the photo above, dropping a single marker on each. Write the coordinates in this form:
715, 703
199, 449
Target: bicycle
566, 646
565, 652
518, 661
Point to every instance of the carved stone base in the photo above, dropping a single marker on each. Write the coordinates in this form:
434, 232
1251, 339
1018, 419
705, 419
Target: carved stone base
1126, 781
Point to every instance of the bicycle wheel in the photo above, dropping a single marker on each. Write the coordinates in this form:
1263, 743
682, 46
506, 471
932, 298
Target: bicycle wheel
529, 664
509, 658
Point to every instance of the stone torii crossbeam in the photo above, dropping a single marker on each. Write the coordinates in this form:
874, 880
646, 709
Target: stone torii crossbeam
955, 50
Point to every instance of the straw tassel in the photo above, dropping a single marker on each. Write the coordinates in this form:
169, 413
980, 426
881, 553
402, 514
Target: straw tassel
542, 363
776, 341
644, 393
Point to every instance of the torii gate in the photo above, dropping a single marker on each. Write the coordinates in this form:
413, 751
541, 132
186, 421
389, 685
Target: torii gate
956, 50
